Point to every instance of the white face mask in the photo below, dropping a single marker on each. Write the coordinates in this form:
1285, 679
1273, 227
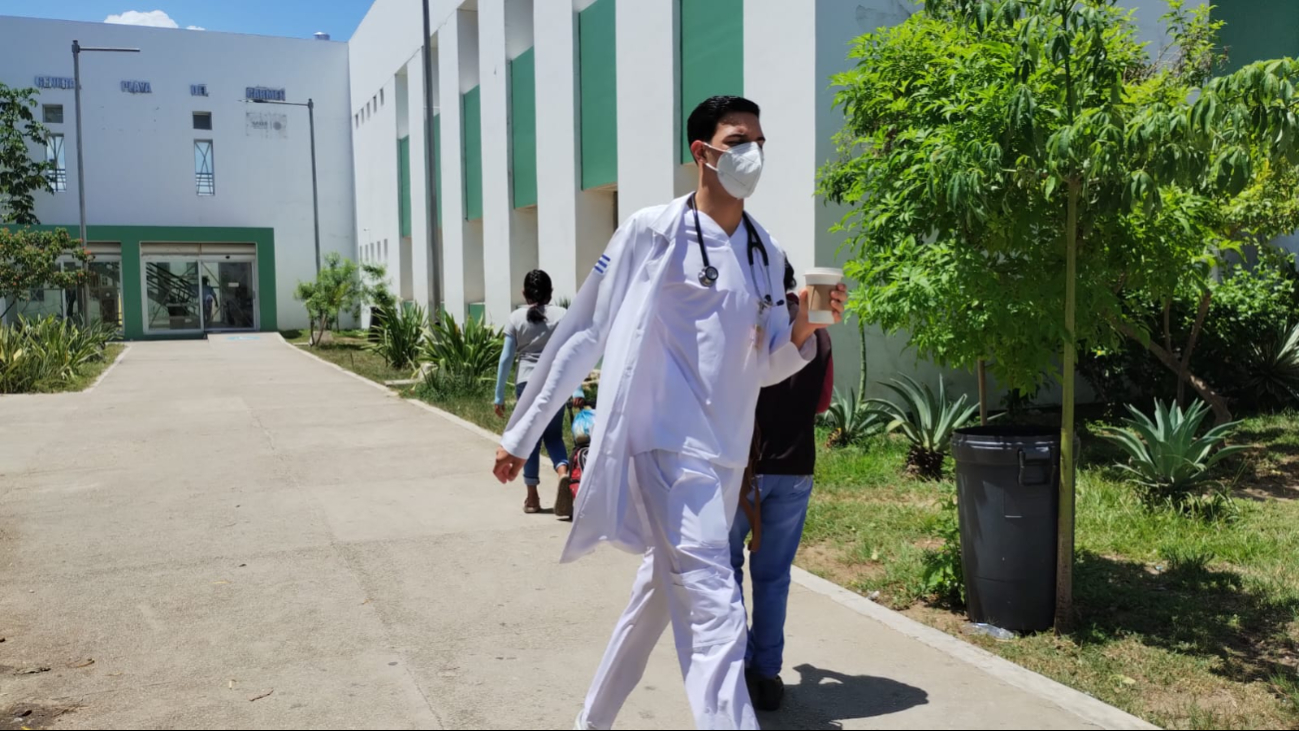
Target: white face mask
739, 168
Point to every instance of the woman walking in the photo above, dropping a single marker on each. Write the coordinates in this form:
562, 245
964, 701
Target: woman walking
526, 335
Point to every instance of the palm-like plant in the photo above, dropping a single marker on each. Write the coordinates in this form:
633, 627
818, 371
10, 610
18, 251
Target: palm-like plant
1273, 372
36, 355
463, 358
401, 335
927, 419
849, 421
1166, 457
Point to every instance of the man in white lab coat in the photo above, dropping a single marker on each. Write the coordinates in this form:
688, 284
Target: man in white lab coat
687, 308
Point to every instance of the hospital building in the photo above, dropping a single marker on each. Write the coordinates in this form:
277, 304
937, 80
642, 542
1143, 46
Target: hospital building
543, 122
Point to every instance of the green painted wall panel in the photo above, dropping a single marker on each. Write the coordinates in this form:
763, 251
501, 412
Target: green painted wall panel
712, 55
403, 185
523, 128
598, 88
1257, 30
131, 237
473, 153
437, 165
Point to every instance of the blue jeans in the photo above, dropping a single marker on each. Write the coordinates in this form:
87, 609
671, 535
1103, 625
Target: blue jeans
784, 510
553, 438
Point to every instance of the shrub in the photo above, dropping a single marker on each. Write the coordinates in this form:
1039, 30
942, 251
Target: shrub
849, 421
928, 420
1166, 458
944, 576
459, 359
42, 355
400, 337
1271, 371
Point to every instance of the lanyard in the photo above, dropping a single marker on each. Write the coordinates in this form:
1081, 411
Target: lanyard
708, 275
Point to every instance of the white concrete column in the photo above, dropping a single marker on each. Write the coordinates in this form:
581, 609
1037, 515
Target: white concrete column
500, 278
419, 184
452, 200
648, 103
780, 75
558, 178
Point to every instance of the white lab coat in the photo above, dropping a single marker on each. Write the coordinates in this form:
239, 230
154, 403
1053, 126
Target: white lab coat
608, 318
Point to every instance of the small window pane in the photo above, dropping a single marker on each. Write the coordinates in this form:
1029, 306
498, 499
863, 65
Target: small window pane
204, 171
202, 120
53, 114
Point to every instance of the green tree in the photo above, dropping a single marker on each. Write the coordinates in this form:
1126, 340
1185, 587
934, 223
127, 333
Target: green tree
21, 174
337, 288
1013, 166
29, 263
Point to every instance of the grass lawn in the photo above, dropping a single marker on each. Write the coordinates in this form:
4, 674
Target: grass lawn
1186, 622
350, 352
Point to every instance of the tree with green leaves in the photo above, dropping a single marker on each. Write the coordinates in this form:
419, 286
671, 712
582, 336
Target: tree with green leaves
21, 173
340, 287
1013, 167
29, 263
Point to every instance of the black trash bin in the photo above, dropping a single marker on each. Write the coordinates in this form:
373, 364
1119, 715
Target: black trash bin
1008, 492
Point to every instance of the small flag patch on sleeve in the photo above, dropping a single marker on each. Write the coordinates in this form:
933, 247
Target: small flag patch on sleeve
603, 265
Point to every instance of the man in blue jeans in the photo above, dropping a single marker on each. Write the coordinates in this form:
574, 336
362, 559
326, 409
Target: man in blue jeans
786, 423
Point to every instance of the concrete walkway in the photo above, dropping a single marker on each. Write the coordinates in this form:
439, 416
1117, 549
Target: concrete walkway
222, 520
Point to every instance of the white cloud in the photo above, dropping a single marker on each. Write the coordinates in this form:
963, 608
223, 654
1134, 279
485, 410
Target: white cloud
150, 18
194, 27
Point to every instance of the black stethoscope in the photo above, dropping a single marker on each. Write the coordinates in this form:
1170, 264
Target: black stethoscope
708, 275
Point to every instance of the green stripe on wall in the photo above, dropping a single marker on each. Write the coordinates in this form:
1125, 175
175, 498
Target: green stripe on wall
712, 55
1257, 30
523, 128
403, 185
473, 154
597, 62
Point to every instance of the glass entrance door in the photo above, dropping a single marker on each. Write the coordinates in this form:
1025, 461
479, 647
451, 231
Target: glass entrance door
172, 286
229, 295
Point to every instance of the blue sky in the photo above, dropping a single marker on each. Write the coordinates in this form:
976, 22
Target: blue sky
296, 18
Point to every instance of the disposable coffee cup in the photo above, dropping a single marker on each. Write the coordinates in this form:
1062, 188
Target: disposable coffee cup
821, 282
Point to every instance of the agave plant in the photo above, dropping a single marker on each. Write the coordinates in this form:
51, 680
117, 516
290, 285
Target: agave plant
927, 419
1166, 457
849, 421
401, 335
462, 358
37, 355
1272, 375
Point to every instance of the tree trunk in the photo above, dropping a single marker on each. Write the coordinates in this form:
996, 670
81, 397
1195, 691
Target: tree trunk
983, 392
862, 381
1221, 413
1065, 546
1185, 366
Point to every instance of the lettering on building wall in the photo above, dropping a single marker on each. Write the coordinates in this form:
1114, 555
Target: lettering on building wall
198, 89
137, 87
268, 125
55, 82
262, 93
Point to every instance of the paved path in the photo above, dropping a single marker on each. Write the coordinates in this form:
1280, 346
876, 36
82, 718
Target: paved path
218, 520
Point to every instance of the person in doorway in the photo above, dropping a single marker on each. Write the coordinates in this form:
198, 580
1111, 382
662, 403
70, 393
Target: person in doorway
526, 335
686, 308
209, 302
786, 459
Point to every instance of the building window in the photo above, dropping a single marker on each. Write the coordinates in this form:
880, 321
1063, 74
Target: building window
53, 113
381, 97
204, 172
202, 120
356, 121
58, 173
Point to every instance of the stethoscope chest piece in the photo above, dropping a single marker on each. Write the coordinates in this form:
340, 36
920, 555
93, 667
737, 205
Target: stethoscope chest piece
708, 276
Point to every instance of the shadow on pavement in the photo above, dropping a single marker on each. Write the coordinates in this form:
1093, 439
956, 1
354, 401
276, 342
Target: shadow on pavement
824, 699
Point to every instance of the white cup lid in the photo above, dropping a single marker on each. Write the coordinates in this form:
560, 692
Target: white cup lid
824, 272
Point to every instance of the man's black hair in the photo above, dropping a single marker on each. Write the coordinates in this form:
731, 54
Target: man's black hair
702, 124
790, 282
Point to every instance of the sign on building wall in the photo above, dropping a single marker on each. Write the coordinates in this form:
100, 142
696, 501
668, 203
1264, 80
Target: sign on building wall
263, 93
198, 89
267, 125
55, 82
137, 87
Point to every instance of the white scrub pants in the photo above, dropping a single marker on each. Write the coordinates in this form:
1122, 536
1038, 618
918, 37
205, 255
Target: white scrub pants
687, 505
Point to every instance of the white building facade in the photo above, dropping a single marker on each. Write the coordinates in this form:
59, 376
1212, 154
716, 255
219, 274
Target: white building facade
198, 203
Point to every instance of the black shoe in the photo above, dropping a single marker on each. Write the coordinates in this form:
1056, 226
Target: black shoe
766, 693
